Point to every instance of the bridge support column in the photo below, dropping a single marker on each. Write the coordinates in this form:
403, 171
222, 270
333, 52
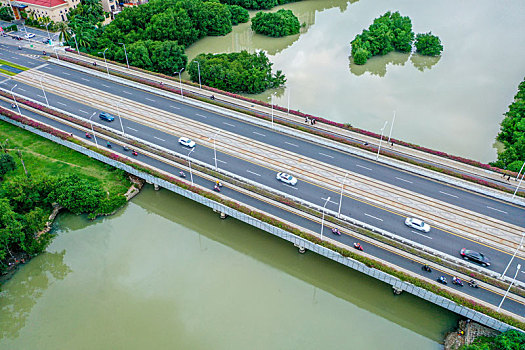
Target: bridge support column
223, 216
301, 249
156, 187
396, 290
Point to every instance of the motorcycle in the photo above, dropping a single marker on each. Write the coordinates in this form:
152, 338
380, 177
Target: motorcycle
457, 282
358, 246
426, 268
135, 153
181, 174
13, 105
108, 144
88, 136
217, 188
335, 231
125, 148
442, 280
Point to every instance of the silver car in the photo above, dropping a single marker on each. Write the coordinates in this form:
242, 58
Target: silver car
287, 178
417, 224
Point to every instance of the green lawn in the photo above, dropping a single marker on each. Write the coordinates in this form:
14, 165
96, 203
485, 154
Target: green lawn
42, 156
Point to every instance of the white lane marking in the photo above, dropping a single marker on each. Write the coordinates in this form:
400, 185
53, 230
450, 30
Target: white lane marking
41, 96
291, 144
127, 92
221, 161
373, 217
104, 85
290, 186
60, 103
21, 89
326, 155
66, 73
150, 99
200, 115
131, 128
3, 81
448, 194
258, 133
84, 79
364, 167
172, 106
501, 211
83, 111
47, 67
417, 233
158, 138
233, 126
331, 201
400, 179
251, 172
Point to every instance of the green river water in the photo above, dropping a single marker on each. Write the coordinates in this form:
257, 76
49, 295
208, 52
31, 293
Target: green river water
167, 273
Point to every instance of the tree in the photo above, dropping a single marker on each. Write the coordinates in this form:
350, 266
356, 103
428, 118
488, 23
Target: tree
167, 57
7, 163
239, 14
78, 195
277, 24
428, 44
6, 14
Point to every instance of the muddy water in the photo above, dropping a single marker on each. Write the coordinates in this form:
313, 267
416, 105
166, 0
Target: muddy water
453, 103
168, 273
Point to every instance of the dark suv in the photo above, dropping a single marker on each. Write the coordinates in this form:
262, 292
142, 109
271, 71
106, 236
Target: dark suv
475, 256
106, 116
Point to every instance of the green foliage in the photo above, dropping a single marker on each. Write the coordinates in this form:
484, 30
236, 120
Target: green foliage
78, 195
6, 14
7, 163
163, 57
512, 133
239, 14
236, 72
509, 340
428, 44
276, 24
253, 4
387, 33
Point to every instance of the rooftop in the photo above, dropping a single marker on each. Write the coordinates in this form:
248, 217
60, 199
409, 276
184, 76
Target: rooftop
43, 3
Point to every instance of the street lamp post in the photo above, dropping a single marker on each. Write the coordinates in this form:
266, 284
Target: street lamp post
48, 36
56, 53
199, 70
215, 151
189, 163
519, 184
322, 220
392, 126
180, 80
507, 292
93, 130
341, 198
520, 246
76, 44
44, 91
120, 118
272, 107
14, 99
104, 53
381, 139
125, 53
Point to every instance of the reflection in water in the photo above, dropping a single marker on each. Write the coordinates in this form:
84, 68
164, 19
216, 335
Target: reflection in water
424, 62
377, 65
26, 287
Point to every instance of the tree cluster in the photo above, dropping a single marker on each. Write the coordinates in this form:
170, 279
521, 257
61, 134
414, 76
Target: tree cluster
512, 133
6, 14
257, 4
276, 24
428, 44
508, 340
387, 33
26, 202
236, 72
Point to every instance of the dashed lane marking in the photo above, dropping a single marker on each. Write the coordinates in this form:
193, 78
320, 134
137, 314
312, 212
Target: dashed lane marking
131, 128
364, 167
258, 133
66, 73
158, 138
501, 211
373, 217
233, 126
83, 111
326, 155
85, 79
172, 106
448, 194
127, 92
251, 172
150, 99
401, 179
418, 233
291, 144
200, 115
60, 103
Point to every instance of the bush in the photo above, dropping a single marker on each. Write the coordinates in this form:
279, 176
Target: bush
428, 44
239, 14
278, 24
7, 163
6, 14
510, 340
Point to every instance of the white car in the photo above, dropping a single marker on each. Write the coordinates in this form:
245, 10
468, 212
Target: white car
186, 142
287, 178
417, 224
29, 35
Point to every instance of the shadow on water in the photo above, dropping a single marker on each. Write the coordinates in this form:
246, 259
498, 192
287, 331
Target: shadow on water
365, 292
26, 287
424, 62
378, 65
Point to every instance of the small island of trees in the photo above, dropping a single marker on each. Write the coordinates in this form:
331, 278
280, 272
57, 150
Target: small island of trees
392, 32
276, 24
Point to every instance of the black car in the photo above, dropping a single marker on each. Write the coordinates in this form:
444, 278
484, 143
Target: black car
475, 256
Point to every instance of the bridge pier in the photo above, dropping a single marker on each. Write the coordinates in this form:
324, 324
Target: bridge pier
156, 187
301, 249
396, 290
